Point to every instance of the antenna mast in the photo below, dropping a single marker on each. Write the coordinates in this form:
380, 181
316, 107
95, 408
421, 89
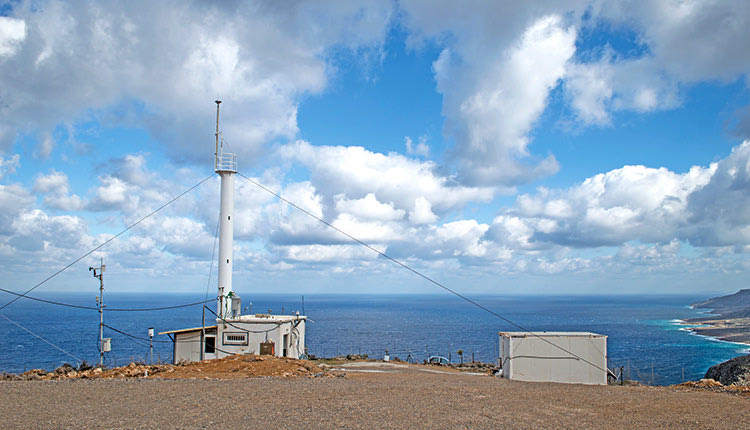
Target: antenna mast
226, 167
100, 306
216, 154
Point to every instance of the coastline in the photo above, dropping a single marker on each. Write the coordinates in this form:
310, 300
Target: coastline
725, 318
733, 330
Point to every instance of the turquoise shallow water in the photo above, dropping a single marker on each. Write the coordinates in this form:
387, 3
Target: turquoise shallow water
642, 331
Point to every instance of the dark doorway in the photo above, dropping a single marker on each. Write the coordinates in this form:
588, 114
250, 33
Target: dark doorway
210, 344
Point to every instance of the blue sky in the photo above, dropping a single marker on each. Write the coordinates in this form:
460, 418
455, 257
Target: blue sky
569, 147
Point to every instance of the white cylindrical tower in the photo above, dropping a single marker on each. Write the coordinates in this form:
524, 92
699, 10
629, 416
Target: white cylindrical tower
226, 239
226, 167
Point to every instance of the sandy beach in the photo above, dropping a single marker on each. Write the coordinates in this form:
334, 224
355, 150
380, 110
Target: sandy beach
367, 396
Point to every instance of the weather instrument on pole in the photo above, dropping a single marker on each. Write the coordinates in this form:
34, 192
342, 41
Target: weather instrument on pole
151, 344
105, 345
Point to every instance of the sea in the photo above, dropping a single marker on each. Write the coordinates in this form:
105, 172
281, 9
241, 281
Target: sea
645, 337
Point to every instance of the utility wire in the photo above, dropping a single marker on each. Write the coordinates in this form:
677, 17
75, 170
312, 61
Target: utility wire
136, 337
208, 281
42, 339
382, 254
163, 308
48, 301
213, 253
52, 302
106, 242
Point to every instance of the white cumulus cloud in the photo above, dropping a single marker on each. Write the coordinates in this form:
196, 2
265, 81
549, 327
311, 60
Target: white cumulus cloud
165, 60
356, 172
57, 192
12, 34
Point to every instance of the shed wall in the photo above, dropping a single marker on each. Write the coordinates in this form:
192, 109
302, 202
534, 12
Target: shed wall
533, 359
187, 346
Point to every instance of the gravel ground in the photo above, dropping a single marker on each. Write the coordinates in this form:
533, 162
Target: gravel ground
406, 398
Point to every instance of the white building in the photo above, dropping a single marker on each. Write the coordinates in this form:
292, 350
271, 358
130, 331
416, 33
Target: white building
279, 335
234, 333
568, 357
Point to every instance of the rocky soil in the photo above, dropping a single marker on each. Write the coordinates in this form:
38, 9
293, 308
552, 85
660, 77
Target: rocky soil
712, 385
406, 396
232, 367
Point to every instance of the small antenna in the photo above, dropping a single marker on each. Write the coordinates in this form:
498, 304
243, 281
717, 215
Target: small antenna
218, 102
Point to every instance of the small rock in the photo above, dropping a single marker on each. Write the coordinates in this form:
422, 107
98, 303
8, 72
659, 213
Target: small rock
65, 368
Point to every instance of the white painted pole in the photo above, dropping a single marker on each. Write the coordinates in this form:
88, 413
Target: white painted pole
226, 233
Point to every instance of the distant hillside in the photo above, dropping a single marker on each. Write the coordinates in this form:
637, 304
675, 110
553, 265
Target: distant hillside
737, 304
744, 313
733, 321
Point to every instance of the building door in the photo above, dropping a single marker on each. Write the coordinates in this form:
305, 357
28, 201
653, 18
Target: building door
286, 345
209, 351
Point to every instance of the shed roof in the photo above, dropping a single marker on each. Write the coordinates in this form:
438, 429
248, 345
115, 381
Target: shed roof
266, 318
549, 334
187, 330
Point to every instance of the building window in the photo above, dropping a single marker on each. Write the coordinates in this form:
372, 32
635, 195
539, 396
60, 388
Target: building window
235, 338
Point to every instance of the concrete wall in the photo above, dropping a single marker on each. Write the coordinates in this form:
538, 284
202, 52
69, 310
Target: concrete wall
526, 357
257, 332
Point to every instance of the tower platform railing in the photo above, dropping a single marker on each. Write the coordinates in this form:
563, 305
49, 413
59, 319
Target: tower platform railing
226, 162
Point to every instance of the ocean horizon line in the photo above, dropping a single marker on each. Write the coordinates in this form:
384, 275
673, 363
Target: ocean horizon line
371, 294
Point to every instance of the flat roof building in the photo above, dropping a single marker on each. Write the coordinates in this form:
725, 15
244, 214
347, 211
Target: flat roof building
278, 335
567, 357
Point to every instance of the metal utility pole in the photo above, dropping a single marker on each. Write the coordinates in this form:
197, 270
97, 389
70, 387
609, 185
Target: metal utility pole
98, 272
151, 344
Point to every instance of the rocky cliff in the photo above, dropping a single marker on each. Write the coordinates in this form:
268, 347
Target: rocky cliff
732, 372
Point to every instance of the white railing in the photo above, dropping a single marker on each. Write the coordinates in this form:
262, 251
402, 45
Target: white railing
226, 162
